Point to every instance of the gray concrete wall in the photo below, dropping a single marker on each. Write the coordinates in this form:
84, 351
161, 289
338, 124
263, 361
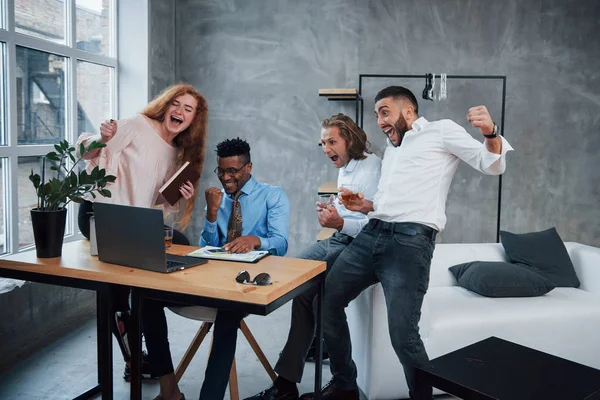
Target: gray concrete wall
260, 64
34, 315
161, 64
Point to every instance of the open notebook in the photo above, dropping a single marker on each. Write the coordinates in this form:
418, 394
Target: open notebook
212, 253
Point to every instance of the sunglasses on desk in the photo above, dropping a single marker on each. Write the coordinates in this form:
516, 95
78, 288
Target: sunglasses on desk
262, 279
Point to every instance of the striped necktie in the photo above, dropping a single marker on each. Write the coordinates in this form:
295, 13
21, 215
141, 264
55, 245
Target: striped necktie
234, 229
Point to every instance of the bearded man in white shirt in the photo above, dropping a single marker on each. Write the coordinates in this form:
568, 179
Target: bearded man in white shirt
346, 145
396, 246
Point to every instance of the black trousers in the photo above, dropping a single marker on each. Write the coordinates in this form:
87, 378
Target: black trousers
221, 356
83, 218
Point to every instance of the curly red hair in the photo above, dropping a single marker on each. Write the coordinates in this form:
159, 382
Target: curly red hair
192, 141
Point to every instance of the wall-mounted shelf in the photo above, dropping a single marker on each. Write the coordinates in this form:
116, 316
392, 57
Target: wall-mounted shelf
345, 94
340, 94
328, 188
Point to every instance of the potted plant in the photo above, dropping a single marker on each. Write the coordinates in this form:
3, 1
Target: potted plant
50, 215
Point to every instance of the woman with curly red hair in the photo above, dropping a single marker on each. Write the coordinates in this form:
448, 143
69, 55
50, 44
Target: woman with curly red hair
143, 152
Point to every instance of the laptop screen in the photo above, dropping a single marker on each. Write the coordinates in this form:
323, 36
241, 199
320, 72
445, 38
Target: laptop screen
131, 236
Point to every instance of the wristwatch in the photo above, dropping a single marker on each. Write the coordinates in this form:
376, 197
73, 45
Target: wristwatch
494, 134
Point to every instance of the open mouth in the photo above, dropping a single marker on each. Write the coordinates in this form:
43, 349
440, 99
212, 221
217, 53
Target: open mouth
388, 132
334, 158
176, 120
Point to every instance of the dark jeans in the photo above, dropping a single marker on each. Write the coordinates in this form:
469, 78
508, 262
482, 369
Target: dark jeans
401, 263
221, 355
302, 330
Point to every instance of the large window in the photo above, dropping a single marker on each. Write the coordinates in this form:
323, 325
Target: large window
57, 79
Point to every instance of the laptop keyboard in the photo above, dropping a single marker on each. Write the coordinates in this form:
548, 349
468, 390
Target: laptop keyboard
173, 265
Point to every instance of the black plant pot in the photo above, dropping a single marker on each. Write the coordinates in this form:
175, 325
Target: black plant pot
48, 231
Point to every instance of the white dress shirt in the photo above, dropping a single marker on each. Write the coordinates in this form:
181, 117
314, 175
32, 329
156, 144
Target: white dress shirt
416, 176
364, 176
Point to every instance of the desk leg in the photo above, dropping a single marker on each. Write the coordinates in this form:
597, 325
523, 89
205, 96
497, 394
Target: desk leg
319, 349
104, 343
136, 344
104, 339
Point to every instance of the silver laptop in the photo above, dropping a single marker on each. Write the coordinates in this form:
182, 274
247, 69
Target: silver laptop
134, 236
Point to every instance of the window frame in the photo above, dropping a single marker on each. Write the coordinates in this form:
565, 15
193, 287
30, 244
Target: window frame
11, 150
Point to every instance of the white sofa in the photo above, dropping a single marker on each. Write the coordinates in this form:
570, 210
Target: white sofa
564, 322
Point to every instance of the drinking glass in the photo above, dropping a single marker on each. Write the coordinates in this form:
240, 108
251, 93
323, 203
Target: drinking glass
168, 237
353, 188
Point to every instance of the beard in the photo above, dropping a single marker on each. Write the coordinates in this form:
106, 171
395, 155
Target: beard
401, 127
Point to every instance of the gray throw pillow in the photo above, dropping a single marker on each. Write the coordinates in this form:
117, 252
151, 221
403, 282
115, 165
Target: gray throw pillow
543, 252
500, 279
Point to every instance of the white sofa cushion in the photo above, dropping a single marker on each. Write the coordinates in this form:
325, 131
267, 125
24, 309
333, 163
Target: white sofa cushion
565, 322
447, 255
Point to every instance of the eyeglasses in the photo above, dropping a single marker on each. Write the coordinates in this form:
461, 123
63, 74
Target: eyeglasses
262, 279
229, 171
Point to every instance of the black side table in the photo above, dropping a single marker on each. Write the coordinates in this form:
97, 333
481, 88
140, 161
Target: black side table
496, 369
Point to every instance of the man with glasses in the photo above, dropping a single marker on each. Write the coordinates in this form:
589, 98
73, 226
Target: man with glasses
265, 212
264, 208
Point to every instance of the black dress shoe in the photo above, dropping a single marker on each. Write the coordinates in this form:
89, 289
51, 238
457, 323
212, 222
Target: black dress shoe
273, 393
333, 392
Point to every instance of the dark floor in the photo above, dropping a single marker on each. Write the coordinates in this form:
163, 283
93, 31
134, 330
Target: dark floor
68, 367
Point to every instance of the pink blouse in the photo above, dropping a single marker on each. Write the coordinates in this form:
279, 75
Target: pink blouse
140, 159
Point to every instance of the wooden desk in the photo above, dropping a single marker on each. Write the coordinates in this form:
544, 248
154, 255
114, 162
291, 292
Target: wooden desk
212, 284
76, 269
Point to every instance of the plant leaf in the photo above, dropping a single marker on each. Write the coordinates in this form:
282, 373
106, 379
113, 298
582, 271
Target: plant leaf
52, 156
76, 199
73, 179
69, 184
35, 179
